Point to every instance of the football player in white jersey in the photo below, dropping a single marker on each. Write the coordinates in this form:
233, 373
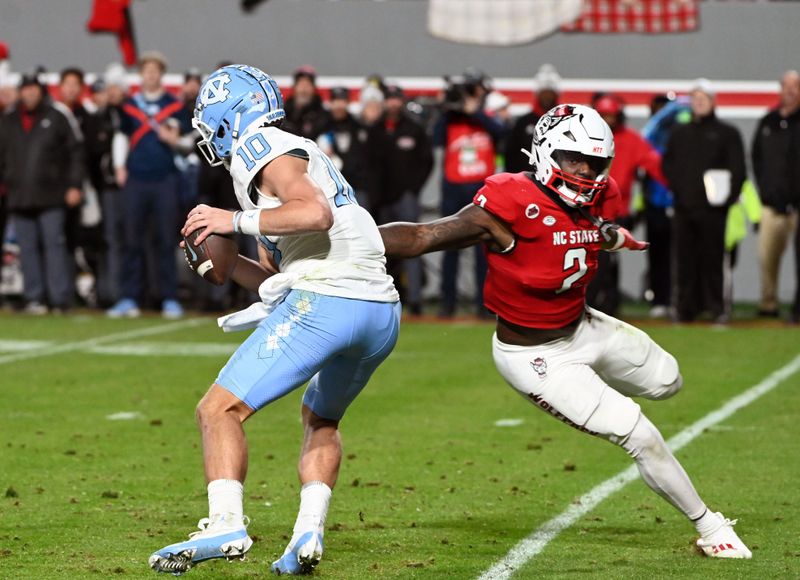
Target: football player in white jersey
329, 313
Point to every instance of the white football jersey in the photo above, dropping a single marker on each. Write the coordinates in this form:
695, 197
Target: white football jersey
346, 261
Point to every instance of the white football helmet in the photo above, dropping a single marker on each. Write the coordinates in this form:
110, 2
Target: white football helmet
572, 133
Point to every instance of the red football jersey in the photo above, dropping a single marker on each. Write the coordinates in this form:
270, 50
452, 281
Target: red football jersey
542, 282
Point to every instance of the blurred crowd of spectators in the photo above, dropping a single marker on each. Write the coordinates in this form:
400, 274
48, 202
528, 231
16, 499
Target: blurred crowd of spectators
94, 181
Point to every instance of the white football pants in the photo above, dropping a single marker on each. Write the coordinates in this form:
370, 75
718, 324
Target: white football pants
587, 380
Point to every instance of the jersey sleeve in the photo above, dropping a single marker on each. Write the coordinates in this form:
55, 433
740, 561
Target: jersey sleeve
255, 149
497, 196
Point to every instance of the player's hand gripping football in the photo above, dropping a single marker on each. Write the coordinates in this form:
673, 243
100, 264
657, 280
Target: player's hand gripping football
213, 219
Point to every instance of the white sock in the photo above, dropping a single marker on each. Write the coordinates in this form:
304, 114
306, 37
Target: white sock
315, 496
708, 523
225, 500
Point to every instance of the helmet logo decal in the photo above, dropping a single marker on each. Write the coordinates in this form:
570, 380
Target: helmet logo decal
214, 90
562, 111
550, 119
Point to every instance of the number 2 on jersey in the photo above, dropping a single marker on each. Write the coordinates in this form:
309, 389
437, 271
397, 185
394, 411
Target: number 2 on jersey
572, 257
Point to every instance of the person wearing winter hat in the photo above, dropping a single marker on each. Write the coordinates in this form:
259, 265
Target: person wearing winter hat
402, 159
305, 114
547, 86
371, 104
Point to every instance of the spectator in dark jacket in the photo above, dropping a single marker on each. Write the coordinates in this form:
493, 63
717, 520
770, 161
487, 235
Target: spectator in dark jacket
42, 164
701, 204
109, 96
546, 85
402, 154
84, 231
345, 142
305, 115
776, 159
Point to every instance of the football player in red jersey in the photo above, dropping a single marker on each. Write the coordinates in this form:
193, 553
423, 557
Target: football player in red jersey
543, 231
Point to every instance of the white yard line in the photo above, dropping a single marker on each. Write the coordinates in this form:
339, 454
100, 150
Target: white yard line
53, 348
11, 345
167, 349
531, 546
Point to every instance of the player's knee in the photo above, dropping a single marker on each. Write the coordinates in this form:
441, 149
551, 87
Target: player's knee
667, 378
205, 410
219, 403
644, 439
313, 421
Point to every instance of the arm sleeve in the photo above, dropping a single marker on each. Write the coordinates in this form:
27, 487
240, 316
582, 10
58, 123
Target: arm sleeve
794, 170
495, 200
668, 162
496, 129
755, 155
269, 143
119, 150
650, 161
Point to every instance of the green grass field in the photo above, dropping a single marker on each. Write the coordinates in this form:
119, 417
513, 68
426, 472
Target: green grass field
430, 487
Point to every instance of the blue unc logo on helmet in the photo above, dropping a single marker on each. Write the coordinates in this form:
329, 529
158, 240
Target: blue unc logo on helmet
232, 99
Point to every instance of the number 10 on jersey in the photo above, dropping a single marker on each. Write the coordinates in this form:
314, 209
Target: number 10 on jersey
256, 147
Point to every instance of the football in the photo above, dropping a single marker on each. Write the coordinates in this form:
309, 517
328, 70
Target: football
214, 259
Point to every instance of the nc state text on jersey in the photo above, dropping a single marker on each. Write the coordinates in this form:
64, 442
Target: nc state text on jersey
576, 237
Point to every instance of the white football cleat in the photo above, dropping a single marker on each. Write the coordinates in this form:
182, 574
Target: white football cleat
301, 556
220, 538
723, 542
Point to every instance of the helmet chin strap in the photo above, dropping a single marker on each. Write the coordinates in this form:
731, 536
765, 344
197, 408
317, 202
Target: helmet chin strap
236, 121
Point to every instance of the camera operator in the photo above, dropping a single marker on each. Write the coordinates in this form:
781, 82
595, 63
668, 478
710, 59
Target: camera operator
469, 140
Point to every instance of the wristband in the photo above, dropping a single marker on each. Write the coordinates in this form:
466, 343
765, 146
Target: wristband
249, 222
619, 242
237, 217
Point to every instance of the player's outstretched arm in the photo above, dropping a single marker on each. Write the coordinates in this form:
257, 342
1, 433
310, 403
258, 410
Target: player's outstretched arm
470, 226
617, 238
